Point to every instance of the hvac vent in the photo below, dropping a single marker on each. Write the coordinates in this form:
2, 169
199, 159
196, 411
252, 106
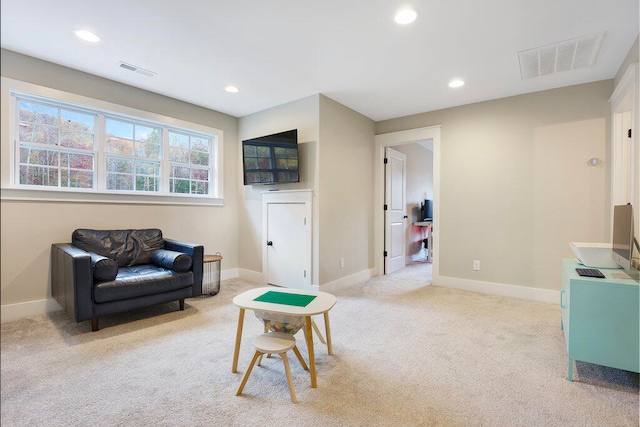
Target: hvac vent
568, 55
136, 69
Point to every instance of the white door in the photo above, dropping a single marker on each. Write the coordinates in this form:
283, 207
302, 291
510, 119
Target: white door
395, 212
287, 248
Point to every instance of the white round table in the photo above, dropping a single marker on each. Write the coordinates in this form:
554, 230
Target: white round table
321, 304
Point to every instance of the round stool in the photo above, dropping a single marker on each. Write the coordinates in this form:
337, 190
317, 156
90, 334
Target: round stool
278, 343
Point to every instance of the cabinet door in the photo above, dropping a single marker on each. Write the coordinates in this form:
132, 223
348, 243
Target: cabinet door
604, 328
288, 251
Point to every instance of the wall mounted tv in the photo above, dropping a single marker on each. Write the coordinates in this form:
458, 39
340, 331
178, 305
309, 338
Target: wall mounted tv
271, 159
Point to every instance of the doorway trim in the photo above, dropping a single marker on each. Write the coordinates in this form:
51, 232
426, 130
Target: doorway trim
400, 138
625, 150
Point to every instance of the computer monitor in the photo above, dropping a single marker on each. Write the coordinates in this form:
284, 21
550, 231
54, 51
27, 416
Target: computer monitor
623, 235
427, 210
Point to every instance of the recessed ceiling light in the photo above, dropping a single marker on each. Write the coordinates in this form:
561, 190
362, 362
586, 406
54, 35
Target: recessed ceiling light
87, 36
406, 16
232, 89
456, 83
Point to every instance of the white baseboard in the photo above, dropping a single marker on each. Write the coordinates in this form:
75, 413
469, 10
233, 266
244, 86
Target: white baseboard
352, 279
230, 273
257, 277
254, 276
11, 312
522, 292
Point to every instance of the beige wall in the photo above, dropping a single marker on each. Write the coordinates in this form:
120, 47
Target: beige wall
345, 191
302, 115
30, 227
336, 163
515, 186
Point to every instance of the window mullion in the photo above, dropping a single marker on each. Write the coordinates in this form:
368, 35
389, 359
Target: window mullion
165, 165
213, 167
100, 165
59, 153
14, 168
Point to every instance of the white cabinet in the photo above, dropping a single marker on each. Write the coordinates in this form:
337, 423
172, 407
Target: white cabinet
286, 230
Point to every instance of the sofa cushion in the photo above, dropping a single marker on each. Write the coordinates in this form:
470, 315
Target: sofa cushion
126, 247
141, 280
104, 268
172, 260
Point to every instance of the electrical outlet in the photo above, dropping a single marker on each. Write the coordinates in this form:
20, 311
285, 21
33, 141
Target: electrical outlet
341, 262
476, 265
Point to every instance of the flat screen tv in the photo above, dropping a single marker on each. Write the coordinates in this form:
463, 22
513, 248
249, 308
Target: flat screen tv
271, 159
623, 235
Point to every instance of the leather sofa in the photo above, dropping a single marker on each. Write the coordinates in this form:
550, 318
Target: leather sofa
109, 271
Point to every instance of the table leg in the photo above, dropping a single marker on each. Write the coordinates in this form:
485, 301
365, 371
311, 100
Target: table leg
236, 351
312, 360
327, 331
315, 328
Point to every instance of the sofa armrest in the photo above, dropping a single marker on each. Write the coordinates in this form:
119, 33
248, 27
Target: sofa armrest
72, 280
196, 252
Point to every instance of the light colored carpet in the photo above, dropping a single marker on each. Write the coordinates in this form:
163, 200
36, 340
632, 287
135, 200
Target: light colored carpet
406, 353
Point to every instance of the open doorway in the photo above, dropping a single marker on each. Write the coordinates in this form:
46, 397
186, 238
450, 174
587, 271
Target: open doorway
426, 136
419, 201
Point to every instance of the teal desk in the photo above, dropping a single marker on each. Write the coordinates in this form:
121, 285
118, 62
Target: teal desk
600, 318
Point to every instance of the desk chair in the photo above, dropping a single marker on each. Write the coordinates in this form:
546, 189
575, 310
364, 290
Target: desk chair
279, 343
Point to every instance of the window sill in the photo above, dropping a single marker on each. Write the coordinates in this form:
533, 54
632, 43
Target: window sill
47, 196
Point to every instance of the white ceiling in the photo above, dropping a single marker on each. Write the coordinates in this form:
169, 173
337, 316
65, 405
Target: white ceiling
352, 51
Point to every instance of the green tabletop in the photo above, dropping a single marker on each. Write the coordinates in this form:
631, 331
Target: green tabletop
274, 297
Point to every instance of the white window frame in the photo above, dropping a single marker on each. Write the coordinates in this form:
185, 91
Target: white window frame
9, 156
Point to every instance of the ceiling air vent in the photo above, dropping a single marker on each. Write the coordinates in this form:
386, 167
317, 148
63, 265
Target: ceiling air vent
136, 69
568, 55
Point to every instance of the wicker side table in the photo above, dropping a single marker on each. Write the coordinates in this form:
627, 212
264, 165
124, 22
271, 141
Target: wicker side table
211, 275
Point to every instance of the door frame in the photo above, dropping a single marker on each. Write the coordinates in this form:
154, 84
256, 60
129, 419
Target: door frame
400, 138
625, 153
